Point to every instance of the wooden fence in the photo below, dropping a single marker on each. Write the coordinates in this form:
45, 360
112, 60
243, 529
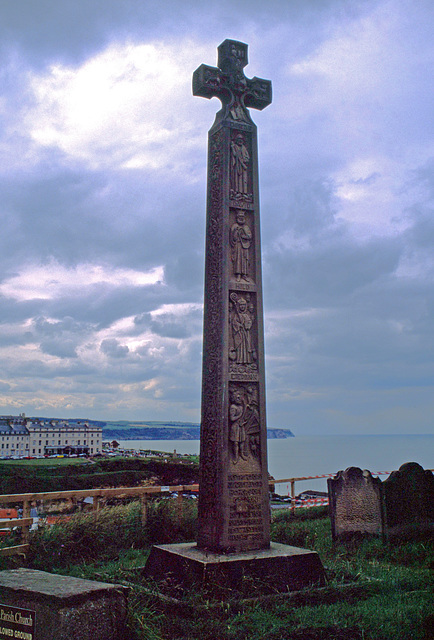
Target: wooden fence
98, 495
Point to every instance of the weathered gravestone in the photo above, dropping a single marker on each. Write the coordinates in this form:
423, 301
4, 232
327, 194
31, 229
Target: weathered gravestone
53, 607
354, 503
234, 513
408, 500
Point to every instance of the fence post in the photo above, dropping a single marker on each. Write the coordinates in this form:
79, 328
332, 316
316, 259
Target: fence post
26, 529
292, 496
144, 508
180, 505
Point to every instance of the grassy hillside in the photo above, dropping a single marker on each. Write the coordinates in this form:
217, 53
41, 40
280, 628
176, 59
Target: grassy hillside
374, 591
37, 476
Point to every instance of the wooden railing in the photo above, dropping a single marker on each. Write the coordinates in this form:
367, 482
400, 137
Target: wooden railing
26, 499
142, 493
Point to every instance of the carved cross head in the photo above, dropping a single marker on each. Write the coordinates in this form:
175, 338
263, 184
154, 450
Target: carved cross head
232, 58
228, 82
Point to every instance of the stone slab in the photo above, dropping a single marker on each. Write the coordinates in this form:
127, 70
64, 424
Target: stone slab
408, 501
67, 607
279, 569
355, 503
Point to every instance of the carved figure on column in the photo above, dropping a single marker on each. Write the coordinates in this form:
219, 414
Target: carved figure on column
237, 432
244, 432
242, 350
251, 418
240, 158
237, 112
241, 240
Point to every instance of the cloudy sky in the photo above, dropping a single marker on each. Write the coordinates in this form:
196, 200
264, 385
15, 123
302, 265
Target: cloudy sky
102, 205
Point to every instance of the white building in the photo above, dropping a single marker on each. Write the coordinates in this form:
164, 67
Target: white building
22, 437
14, 438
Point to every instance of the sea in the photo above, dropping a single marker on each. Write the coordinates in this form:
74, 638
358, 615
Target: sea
313, 456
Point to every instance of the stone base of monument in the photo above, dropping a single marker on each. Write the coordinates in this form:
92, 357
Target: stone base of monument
66, 607
279, 569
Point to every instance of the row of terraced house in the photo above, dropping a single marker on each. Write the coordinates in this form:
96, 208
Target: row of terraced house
22, 437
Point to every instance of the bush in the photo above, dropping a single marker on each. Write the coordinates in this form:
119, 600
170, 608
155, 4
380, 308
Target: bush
166, 524
101, 534
87, 536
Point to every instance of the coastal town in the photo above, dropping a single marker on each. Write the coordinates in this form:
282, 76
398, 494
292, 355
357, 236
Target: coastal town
22, 437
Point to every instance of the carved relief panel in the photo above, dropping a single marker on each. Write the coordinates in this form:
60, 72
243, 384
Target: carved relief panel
241, 240
242, 334
240, 168
244, 422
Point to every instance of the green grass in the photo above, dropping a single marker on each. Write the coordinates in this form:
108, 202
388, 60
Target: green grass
104, 535
63, 474
374, 591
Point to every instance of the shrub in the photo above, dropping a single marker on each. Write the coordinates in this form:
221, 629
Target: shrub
168, 521
87, 536
101, 534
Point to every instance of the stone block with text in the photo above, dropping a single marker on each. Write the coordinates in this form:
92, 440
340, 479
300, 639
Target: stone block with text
54, 607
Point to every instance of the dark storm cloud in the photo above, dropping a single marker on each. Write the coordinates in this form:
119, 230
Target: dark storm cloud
114, 215
170, 325
74, 29
330, 272
101, 304
63, 348
59, 338
114, 349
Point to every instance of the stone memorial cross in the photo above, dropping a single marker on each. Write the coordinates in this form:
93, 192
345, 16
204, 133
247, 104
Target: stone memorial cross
233, 494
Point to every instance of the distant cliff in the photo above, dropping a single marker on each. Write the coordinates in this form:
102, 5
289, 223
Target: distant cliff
166, 431
279, 433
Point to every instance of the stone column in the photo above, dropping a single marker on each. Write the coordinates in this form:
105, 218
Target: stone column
233, 545
233, 495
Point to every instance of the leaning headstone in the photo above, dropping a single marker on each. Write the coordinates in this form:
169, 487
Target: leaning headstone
408, 500
234, 513
354, 503
37, 605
